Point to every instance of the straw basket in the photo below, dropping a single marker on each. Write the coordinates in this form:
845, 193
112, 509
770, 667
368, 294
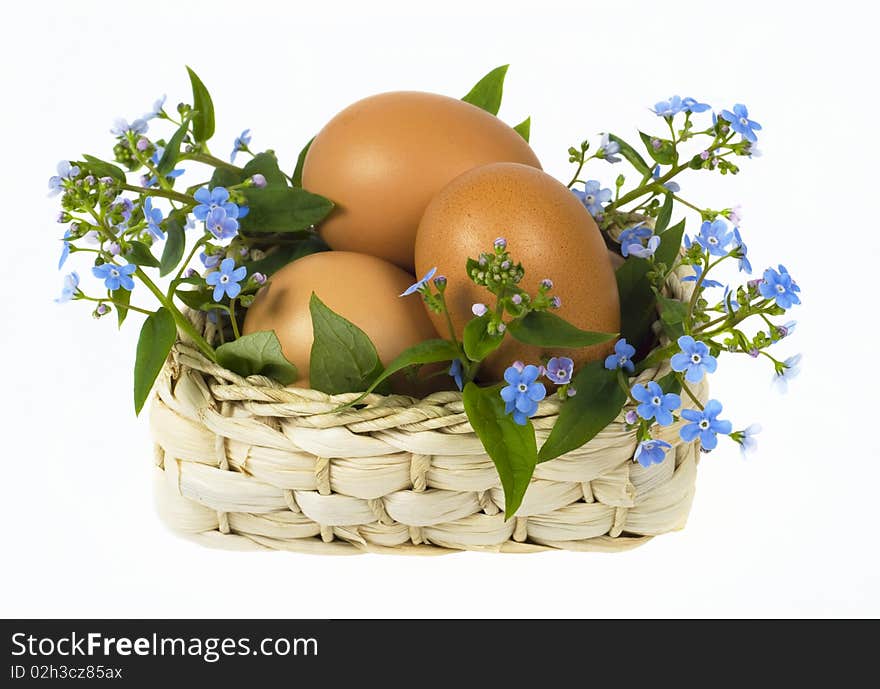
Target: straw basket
244, 463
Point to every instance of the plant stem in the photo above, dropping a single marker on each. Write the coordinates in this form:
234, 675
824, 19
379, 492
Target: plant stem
232, 318
183, 265
115, 303
684, 386
208, 159
164, 193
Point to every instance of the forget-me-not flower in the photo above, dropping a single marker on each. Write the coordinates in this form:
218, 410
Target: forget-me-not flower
786, 372
225, 280
747, 443
241, 143
704, 424
121, 127
157, 108
456, 370
608, 149
646, 251
694, 358
221, 225
209, 199
739, 246
622, 357
740, 122
115, 276
633, 235
654, 404
779, 286
651, 451
593, 196
715, 237
65, 171
522, 392
69, 288
419, 284
153, 216
559, 370
698, 271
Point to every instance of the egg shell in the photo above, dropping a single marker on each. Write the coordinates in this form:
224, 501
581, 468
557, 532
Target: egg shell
363, 289
382, 160
547, 229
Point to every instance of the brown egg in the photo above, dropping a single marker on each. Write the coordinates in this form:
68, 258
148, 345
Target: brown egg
547, 229
384, 158
363, 289
616, 259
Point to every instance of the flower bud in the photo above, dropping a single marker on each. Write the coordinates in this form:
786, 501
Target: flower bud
546, 284
257, 254
571, 392
440, 282
258, 180
246, 300
555, 303
258, 278
632, 418
479, 309
500, 244
142, 144
190, 273
501, 327
516, 299
114, 249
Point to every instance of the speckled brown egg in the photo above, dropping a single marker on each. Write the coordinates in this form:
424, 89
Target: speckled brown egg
382, 159
547, 229
364, 289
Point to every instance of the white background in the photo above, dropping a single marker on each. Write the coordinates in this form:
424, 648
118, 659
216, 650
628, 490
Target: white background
792, 532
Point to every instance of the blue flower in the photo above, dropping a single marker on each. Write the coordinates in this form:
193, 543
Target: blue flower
210, 199
741, 252
654, 404
668, 108
651, 451
784, 331
746, 439
593, 196
153, 216
704, 424
157, 108
728, 303
226, 279
115, 276
522, 393
419, 284
221, 225
740, 122
65, 249
240, 144
692, 105
779, 286
633, 235
608, 149
65, 171
155, 158
694, 358
69, 288
645, 251
715, 237
456, 370
559, 370
622, 357
698, 271
674, 187
787, 371
121, 127
210, 260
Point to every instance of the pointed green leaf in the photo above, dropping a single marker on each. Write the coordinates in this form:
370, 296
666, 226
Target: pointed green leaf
524, 128
266, 164
172, 149
300, 161
203, 120
283, 209
343, 358
665, 154
546, 329
226, 177
487, 92
121, 296
512, 447
597, 403
101, 168
427, 352
175, 244
157, 337
257, 354
477, 341
194, 299
140, 254
631, 155
665, 215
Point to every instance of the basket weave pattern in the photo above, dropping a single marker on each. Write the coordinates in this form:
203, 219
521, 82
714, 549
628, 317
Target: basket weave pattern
245, 463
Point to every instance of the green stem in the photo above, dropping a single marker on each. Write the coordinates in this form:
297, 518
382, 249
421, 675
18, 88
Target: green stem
684, 386
580, 167
164, 193
177, 278
232, 319
106, 300
687, 203
208, 159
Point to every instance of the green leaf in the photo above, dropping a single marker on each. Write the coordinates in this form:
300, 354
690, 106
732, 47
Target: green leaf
524, 128
672, 316
637, 299
665, 215
512, 447
343, 359
546, 329
101, 168
121, 296
172, 149
266, 164
300, 161
203, 120
283, 209
226, 177
665, 155
487, 92
194, 299
286, 253
175, 244
670, 383
257, 354
140, 254
598, 401
477, 340
157, 337
427, 352
631, 155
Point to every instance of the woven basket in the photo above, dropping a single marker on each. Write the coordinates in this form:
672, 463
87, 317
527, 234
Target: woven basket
244, 463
